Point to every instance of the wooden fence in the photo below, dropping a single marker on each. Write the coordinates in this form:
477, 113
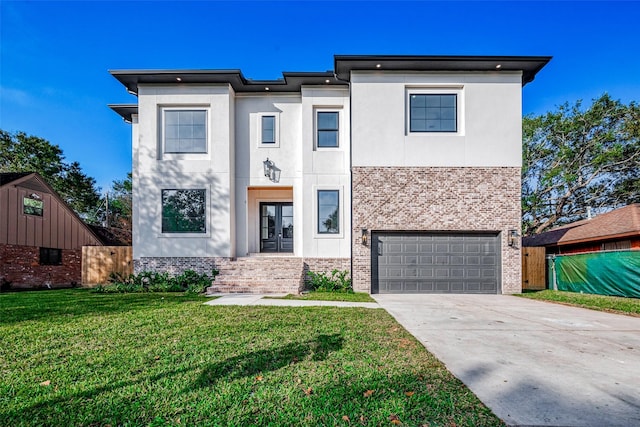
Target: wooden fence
98, 262
533, 269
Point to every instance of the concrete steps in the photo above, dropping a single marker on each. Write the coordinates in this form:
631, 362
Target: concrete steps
260, 275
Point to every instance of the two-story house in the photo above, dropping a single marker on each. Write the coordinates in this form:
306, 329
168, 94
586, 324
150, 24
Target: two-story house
404, 170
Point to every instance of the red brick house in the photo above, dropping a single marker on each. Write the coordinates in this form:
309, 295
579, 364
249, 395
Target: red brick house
615, 230
41, 237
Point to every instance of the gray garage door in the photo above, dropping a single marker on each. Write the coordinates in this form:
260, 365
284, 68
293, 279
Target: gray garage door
435, 263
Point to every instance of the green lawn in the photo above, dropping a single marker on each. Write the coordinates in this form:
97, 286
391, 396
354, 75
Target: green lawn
74, 357
629, 306
330, 296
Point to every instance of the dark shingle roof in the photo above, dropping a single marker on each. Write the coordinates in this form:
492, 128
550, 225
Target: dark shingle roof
7, 177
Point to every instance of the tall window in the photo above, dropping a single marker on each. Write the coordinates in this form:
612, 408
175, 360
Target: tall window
433, 113
32, 206
268, 130
183, 211
327, 128
328, 211
185, 131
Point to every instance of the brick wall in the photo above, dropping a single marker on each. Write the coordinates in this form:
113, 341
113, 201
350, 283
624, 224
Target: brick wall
20, 265
177, 265
436, 199
326, 265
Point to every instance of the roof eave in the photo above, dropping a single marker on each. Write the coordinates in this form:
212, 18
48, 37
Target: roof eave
528, 65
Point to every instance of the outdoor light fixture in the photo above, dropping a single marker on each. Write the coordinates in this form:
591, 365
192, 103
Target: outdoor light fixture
364, 237
513, 238
271, 171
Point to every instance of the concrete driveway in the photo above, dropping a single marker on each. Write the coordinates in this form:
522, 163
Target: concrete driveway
533, 363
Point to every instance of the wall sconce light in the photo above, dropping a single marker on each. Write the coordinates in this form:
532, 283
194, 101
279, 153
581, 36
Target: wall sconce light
271, 171
513, 238
364, 236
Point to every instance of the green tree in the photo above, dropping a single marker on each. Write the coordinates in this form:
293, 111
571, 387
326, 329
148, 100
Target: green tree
576, 158
20, 152
119, 204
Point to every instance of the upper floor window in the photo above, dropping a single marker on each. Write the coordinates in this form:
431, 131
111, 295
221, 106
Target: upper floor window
183, 211
328, 211
32, 205
327, 128
185, 131
268, 130
433, 112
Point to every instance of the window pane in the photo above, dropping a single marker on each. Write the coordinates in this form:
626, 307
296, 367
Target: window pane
185, 131
327, 138
328, 211
418, 125
287, 227
417, 101
432, 113
327, 120
32, 206
268, 129
183, 211
50, 256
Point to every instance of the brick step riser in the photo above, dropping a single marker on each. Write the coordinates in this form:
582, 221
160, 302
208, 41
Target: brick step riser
259, 275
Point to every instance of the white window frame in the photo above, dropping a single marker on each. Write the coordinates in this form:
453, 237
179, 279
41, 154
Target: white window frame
341, 212
276, 130
436, 90
328, 109
162, 126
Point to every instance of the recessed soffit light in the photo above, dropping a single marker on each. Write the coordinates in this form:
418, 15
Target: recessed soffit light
378, 65
266, 88
179, 79
327, 81
498, 66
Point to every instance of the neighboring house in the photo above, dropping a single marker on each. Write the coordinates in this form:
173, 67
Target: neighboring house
404, 170
618, 229
41, 237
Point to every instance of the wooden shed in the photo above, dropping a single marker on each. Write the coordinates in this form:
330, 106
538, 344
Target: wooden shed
41, 237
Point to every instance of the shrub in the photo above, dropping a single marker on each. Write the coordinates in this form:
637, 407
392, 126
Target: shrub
150, 281
337, 281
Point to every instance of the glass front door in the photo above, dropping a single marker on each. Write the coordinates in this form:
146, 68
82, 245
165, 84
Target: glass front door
276, 227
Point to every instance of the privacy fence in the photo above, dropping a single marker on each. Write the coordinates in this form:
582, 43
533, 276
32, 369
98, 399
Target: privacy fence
98, 262
604, 273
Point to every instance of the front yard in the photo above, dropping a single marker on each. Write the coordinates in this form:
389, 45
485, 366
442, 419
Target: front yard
620, 305
78, 358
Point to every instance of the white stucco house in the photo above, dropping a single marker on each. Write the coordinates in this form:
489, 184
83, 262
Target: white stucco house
404, 170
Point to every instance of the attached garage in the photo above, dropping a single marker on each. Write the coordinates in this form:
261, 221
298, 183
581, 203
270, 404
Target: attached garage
435, 262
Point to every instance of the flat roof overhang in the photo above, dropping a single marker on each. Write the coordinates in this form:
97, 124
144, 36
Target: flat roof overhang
125, 110
529, 65
291, 81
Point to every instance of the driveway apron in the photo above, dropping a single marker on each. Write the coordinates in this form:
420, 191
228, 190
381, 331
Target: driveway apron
533, 363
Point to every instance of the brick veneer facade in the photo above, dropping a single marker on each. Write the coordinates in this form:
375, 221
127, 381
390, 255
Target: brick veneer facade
269, 274
436, 199
20, 265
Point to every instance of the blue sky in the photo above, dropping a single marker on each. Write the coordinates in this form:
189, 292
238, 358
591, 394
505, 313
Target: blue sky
55, 56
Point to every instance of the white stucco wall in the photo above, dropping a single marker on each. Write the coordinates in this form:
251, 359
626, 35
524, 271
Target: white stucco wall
489, 120
303, 168
325, 169
155, 170
231, 171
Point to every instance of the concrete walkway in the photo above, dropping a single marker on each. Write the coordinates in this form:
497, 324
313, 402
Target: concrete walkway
253, 299
533, 363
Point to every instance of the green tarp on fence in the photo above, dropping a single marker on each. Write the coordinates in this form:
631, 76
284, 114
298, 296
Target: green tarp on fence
603, 273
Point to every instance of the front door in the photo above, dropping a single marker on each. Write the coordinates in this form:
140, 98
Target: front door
276, 227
